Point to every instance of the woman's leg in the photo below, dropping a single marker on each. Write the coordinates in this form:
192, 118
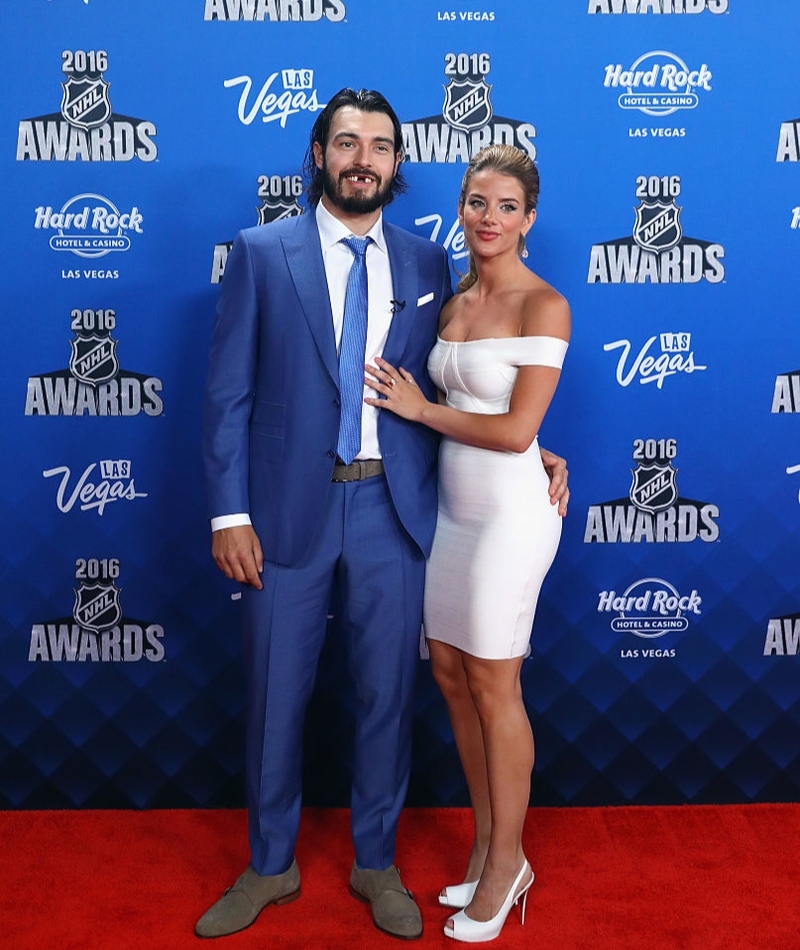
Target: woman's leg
448, 671
508, 744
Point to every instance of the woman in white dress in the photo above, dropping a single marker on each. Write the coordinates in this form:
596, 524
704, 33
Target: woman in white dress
497, 362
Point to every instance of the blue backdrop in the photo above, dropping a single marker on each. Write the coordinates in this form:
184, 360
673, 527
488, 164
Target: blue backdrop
138, 138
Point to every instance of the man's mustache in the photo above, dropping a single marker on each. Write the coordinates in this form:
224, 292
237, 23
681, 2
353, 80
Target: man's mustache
355, 170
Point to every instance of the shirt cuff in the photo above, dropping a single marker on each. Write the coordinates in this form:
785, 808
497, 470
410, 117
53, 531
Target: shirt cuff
229, 521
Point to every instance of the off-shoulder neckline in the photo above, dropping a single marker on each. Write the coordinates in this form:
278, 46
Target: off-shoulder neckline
500, 339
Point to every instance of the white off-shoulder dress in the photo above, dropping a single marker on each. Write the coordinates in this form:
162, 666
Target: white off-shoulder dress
496, 531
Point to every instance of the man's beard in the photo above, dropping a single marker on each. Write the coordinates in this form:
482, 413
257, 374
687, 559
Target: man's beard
357, 203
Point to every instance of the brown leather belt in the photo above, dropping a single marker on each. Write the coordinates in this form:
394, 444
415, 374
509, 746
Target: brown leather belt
357, 470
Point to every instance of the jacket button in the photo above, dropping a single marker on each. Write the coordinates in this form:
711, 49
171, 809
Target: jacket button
337, 403
331, 454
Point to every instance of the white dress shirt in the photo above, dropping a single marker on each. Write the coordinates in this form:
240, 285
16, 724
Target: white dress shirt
338, 258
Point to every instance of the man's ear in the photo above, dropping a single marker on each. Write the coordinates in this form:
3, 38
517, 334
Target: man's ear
316, 149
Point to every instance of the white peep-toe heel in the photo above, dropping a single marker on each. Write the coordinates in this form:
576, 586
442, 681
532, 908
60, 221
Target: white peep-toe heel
458, 895
468, 930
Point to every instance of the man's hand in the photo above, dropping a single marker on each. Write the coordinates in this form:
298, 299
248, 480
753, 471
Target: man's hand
556, 468
237, 552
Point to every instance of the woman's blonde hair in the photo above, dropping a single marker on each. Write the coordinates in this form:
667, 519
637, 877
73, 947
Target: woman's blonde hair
506, 160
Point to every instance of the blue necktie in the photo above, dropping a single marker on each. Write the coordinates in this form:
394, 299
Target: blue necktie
352, 351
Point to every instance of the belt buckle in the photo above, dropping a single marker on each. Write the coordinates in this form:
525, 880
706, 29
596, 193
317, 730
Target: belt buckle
344, 474
356, 471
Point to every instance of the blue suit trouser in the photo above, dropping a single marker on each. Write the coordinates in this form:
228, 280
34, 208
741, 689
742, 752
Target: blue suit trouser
362, 548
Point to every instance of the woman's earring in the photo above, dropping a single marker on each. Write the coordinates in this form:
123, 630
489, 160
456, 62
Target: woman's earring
524, 252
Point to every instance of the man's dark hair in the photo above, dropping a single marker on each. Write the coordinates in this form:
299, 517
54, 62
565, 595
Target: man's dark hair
367, 100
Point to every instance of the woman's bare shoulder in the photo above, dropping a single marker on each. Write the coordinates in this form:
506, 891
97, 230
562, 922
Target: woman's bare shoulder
451, 309
545, 312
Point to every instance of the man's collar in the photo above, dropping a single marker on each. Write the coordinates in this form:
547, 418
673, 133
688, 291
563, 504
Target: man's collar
331, 229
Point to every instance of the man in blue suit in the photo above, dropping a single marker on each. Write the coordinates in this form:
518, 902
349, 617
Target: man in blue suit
303, 500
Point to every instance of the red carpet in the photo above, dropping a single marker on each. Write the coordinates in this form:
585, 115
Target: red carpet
606, 878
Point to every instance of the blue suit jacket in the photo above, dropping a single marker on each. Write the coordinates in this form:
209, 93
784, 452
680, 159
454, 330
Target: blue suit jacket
271, 417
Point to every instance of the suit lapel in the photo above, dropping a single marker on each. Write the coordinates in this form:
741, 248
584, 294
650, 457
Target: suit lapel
304, 259
405, 284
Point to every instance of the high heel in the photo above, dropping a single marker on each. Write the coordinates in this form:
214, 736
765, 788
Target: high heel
468, 930
458, 895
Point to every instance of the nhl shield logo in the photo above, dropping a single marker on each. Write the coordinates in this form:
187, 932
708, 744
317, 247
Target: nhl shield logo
85, 102
658, 226
277, 210
93, 359
653, 487
467, 105
97, 606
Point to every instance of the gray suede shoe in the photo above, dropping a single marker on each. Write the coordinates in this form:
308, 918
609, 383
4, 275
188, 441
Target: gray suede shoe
393, 908
241, 904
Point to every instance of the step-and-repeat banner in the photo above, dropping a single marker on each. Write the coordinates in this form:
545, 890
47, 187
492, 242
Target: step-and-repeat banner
136, 140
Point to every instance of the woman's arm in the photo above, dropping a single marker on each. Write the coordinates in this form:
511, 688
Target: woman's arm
511, 431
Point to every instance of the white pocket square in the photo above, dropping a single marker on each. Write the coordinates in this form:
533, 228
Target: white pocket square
426, 299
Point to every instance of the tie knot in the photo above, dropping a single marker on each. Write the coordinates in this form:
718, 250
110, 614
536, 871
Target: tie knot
357, 245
